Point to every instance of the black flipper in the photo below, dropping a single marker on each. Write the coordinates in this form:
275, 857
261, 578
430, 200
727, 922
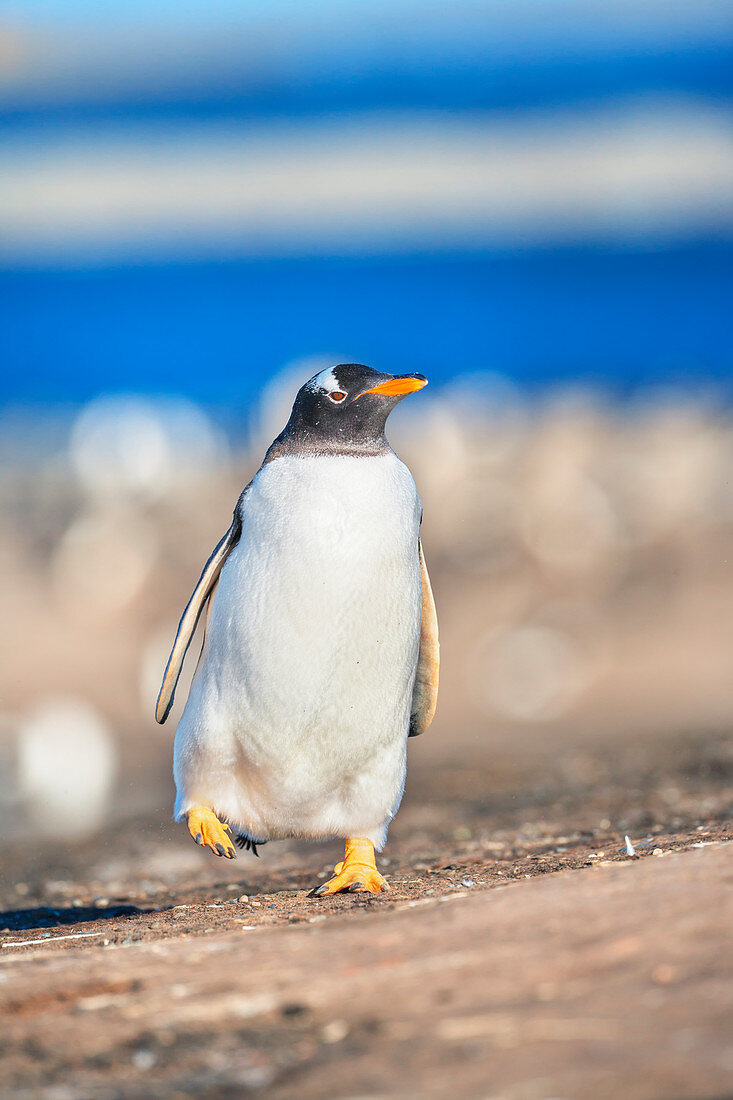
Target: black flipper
194, 607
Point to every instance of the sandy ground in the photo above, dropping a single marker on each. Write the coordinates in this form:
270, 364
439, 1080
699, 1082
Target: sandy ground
520, 954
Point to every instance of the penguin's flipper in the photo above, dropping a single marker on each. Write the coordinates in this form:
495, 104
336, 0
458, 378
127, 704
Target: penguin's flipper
191, 615
425, 692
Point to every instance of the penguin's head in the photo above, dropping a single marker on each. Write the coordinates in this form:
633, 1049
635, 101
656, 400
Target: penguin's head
346, 407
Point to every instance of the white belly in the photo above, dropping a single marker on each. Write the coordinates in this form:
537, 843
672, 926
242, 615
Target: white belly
297, 719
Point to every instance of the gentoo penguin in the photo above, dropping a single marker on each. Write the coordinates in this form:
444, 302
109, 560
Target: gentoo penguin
320, 654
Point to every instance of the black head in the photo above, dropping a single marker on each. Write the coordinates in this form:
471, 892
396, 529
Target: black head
345, 409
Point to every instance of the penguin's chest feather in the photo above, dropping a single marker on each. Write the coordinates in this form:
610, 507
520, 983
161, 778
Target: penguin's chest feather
301, 702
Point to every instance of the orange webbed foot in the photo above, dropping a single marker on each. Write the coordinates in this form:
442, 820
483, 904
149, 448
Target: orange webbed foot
357, 872
206, 829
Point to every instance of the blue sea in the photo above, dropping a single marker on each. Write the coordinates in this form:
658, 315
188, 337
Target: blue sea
618, 317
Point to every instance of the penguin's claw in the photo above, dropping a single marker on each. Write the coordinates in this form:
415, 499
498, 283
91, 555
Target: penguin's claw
357, 872
206, 829
354, 879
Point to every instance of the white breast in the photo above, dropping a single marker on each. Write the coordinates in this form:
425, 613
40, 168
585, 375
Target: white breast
297, 719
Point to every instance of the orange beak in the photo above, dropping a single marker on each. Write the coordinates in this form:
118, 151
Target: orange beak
397, 387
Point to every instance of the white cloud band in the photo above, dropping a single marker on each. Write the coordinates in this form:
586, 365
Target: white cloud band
370, 183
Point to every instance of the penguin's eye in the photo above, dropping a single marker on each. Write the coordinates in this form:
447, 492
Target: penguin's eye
338, 396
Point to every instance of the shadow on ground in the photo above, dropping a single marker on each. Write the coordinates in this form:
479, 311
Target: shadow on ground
43, 916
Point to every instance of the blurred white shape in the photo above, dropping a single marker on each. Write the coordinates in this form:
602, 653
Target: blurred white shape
534, 673
119, 443
444, 463
67, 761
102, 562
566, 517
460, 441
672, 468
480, 413
135, 445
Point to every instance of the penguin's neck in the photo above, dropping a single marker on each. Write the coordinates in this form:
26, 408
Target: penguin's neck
305, 440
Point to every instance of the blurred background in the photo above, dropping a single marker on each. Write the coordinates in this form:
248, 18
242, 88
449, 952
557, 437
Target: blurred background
531, 203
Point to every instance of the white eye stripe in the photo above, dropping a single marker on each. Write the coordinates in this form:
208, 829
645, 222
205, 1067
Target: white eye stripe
326, 380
